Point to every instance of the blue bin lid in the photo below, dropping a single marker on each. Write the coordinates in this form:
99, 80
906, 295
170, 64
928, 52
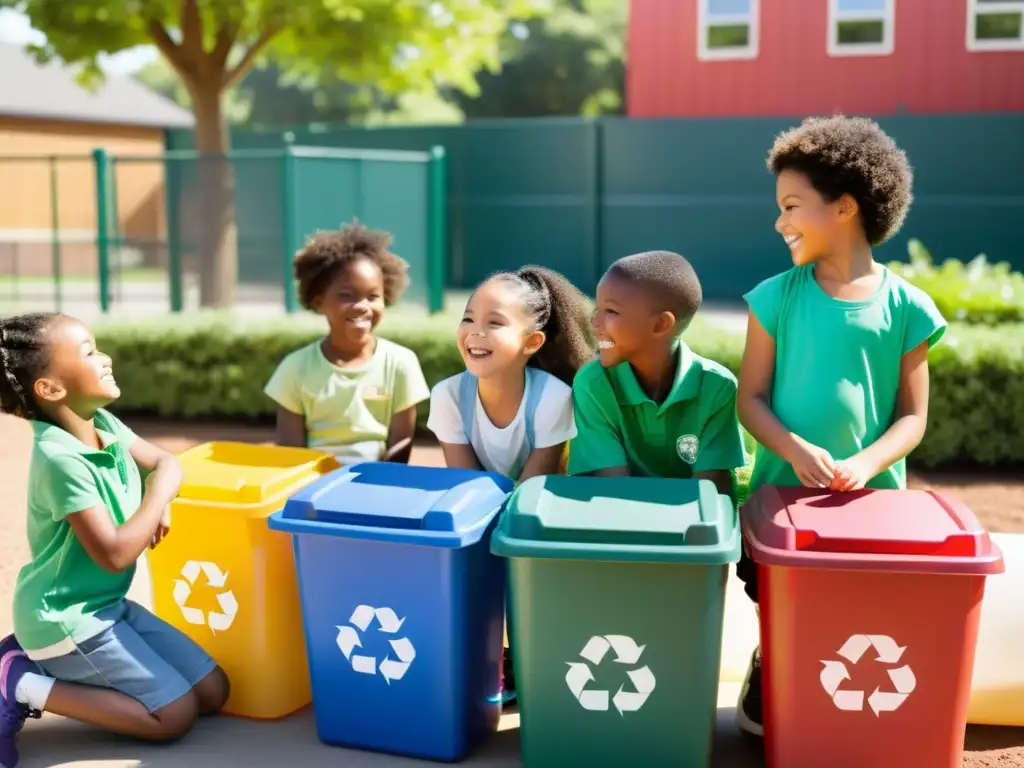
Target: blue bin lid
628, 519
397, 503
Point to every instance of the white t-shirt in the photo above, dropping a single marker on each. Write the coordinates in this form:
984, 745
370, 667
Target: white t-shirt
504, 450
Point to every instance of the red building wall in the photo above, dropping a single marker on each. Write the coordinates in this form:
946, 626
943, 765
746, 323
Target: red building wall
929, 71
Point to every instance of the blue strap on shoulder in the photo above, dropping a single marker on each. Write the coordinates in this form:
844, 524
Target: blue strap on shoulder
534, 388
467, 403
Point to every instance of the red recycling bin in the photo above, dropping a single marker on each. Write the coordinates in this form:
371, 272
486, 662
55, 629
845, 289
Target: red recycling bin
869, 607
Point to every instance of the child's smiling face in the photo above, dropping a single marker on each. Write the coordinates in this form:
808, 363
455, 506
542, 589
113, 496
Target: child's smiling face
79, 375
495, 331
810, 224
624, 322
353, 302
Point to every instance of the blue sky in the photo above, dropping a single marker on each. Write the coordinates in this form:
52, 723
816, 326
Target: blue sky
15, 28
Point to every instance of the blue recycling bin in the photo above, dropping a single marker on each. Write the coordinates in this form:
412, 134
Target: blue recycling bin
402, 605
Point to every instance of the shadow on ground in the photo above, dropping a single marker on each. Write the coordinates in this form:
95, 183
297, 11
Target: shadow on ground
54, 742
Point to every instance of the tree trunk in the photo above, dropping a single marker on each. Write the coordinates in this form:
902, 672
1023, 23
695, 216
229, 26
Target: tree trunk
218, 243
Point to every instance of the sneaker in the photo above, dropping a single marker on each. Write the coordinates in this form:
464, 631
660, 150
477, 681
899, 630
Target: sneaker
508, 678
13, 664
748, 710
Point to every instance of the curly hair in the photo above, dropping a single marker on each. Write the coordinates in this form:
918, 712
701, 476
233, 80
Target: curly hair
850, 155
558, 309
24, 358
668, 278
327, 253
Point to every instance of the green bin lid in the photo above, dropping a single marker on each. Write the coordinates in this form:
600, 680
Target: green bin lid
626, 519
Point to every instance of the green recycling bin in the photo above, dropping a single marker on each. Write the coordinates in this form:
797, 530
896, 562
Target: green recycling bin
617, 597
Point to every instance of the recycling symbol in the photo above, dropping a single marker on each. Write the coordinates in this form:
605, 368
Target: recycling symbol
387, 622
626, 652
216, 620
834, 673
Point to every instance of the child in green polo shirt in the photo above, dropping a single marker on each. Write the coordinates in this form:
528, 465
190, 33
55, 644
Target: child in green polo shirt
834, 381
80, 648
351, 394
649, 405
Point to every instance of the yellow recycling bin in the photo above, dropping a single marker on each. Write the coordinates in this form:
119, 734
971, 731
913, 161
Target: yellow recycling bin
229, 582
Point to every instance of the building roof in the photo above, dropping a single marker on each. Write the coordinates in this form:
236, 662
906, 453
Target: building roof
50, 92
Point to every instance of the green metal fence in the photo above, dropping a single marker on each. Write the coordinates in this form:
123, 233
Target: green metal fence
47, 239
282, 196
102, 232
576, 194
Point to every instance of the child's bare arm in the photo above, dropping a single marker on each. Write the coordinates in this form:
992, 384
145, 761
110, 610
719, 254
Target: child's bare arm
400, 435
116, 548
543, 461
903, 436
291, 428
460, 456
812, 465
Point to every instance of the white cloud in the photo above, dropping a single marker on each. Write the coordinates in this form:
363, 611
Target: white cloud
15, 28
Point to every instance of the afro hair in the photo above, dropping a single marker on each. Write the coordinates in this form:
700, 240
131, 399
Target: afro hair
850, 155
326, 254
667, 278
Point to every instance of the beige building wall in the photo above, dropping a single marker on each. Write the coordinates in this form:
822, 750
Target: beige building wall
26, 199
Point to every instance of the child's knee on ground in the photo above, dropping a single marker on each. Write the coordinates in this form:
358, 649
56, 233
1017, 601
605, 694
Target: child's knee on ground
212, 692
172, 722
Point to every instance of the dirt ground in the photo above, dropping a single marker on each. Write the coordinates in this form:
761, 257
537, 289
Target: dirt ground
997, 500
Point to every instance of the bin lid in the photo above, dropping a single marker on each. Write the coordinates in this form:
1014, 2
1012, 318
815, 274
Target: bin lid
885, 529
398, 503
629, 519
247, 474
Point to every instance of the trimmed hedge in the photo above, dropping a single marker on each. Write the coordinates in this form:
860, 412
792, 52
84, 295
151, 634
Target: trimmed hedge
978, 292
215, 366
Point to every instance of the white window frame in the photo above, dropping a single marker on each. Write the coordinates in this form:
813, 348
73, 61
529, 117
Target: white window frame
705, 20
974, 8
888, 18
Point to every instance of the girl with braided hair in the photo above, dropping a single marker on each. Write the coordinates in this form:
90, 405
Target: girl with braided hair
523, 337
98, 496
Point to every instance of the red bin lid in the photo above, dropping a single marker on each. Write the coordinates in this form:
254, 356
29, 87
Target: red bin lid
902, 530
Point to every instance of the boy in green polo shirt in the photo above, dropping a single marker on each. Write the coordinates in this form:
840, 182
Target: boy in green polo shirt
649, 406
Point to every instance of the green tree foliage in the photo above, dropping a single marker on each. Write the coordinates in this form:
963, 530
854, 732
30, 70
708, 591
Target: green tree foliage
570, 62
400, 46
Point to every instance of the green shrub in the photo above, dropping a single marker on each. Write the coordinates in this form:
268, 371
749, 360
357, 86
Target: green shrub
215, 366
977, 292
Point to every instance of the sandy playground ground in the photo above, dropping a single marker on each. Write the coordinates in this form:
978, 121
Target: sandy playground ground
53, 742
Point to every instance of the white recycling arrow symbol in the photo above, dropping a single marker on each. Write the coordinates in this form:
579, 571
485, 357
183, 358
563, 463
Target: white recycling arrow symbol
887, 652
626, 651
387, 622
218, 621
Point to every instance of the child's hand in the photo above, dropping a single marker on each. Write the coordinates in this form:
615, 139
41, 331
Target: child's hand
162, 529
813, 466
852, 474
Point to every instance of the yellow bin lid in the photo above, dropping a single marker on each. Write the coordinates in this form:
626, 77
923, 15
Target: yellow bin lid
247, 474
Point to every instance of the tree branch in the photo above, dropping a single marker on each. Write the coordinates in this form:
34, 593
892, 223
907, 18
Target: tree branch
191, 30
226, 36
168, 48
241, 69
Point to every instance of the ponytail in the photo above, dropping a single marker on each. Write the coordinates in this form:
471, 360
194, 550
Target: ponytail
560, 311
